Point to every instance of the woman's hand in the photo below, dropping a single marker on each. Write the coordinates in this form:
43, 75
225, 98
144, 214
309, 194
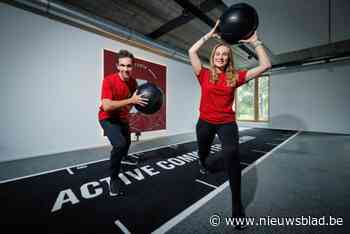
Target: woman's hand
213, 32
252, 39
193, 51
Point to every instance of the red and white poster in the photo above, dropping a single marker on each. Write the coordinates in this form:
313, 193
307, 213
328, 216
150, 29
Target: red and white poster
143, 71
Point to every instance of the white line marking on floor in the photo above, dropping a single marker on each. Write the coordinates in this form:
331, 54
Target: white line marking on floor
210, 185
70, 171
185, 213
100, 160
259, 151
87, 163
81, 167
122, 227
244, 163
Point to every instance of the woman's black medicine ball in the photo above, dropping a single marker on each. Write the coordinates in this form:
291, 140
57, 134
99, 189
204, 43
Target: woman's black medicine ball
154, 96
238, 22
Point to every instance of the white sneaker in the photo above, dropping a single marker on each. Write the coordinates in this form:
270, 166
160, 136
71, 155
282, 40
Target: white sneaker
129, 161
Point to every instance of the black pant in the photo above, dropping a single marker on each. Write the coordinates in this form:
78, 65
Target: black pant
228, 157
118, 133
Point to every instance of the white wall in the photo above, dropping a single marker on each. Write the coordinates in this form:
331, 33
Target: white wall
311, 99
291, 25
50, 86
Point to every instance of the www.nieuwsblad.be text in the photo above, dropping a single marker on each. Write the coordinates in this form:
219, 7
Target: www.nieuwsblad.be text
216, 220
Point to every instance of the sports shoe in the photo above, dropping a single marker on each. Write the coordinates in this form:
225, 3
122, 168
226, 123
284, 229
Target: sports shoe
241, 226
135, 156
240, 222
202, 169
128, 160
116, 188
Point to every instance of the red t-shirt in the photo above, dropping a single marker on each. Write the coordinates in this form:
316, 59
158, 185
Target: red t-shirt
114, 88
217, 98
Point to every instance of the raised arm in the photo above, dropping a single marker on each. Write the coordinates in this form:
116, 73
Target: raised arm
193, 51
264, 61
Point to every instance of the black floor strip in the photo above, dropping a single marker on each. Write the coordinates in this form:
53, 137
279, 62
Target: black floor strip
161, 186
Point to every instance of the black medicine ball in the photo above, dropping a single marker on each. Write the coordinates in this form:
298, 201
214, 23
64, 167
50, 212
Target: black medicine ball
154, 96
238, 22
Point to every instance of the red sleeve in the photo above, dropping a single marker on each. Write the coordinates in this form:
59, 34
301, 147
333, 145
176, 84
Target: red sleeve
241, 77
202, 74
106, 89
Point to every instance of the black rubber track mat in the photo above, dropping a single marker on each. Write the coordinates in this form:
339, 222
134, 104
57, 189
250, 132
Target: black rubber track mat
165, 182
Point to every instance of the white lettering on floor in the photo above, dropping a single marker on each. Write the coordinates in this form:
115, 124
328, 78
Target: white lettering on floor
94, 189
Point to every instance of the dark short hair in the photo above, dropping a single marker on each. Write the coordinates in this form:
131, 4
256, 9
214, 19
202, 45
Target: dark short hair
125, 54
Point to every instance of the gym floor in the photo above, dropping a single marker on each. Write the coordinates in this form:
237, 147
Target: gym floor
303, 178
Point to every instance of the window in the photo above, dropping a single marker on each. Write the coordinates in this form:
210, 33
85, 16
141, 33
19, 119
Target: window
263, 97
245, 101
252, 100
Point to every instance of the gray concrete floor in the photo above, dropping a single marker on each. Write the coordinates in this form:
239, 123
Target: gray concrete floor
308, 177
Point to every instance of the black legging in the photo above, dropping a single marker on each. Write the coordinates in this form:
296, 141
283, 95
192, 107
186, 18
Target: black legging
228, 135
118, 134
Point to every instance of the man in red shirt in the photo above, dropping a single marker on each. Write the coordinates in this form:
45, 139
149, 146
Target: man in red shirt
218, 86
118, 96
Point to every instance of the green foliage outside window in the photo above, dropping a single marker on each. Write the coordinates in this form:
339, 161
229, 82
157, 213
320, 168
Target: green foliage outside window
263, 91
252, 100
245, 101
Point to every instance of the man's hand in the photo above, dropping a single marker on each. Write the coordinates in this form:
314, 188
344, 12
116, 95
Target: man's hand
138, 99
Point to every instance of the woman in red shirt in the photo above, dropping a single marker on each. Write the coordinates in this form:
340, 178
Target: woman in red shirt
218, 86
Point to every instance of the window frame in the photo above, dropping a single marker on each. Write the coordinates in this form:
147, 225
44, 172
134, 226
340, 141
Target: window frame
256, 101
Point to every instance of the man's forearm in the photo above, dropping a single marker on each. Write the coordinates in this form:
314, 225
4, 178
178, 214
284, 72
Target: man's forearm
109, 105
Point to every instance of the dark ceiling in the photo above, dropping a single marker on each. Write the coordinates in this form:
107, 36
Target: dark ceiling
174, 23
177, 24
